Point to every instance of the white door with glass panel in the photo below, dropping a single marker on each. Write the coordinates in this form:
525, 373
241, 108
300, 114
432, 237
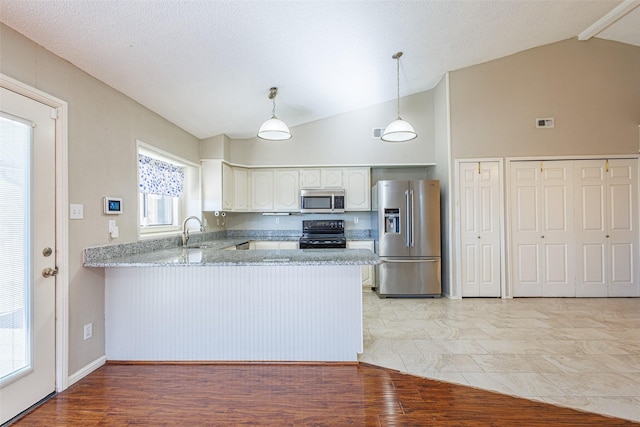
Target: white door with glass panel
479, 194
27, 253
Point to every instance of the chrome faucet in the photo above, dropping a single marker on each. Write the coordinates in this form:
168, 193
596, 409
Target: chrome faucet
185, 231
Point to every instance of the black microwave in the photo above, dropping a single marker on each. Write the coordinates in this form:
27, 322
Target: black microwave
322, 201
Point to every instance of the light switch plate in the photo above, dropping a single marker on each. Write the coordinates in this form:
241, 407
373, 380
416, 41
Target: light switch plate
76, 211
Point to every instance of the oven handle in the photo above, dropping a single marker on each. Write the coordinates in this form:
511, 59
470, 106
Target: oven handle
408, 260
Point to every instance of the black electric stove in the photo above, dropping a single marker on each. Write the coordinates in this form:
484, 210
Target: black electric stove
323, 234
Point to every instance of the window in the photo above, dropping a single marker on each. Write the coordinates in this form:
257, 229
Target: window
167, 188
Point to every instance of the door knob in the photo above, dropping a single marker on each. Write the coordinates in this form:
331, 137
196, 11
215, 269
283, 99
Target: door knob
49, 272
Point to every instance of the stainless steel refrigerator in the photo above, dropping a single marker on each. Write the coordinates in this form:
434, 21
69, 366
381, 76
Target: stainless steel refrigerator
406, 223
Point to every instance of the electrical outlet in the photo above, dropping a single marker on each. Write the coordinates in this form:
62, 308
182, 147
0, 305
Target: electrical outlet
88, 331
76, 211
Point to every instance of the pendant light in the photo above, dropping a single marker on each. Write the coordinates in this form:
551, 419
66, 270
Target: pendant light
398, 130
274, 129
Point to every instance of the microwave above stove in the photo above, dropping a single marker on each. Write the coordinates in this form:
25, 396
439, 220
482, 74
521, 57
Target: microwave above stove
322, 201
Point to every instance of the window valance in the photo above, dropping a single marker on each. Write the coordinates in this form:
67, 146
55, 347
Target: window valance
160, 178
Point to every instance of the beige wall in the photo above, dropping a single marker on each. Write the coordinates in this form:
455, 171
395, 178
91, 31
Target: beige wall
592, 88
103, 128
347, 139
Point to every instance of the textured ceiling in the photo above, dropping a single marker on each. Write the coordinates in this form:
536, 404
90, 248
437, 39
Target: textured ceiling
207, 66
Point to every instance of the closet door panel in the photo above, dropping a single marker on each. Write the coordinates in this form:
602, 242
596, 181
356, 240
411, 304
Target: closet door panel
479, 189
622, 232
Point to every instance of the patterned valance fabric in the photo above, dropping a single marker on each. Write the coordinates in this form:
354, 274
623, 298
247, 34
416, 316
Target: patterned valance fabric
160, 178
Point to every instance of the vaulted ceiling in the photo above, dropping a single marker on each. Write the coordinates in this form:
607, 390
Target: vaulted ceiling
207, 65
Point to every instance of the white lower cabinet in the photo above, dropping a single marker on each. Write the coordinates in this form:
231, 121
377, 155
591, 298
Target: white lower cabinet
368, 271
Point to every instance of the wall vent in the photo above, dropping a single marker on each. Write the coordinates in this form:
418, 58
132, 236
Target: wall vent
377, 132
545, 123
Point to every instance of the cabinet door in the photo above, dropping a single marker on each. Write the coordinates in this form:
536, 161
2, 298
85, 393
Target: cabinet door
607, 240
211, 185
227, 187
332, 178
479, 193
262, 190
287, 190
357, 189
240, 189
310, 178
543, 245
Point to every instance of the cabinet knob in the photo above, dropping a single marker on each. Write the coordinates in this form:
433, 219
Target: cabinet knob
607, 236
542, 237
478, 237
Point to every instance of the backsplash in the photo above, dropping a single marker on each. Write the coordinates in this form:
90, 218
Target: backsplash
257, 221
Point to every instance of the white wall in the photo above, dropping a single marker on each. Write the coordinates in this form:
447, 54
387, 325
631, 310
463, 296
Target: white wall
347, 139
103, 128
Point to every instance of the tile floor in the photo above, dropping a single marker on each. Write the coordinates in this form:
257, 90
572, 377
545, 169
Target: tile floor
581, 353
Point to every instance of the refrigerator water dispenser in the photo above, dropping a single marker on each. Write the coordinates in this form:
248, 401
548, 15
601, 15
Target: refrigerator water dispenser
392, 221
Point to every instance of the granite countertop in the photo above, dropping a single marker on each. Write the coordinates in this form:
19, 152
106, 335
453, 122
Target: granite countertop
213, 253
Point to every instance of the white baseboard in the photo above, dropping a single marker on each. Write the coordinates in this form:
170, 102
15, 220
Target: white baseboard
80, 374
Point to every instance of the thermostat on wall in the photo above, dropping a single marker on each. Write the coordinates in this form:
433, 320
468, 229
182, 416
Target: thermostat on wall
112, 205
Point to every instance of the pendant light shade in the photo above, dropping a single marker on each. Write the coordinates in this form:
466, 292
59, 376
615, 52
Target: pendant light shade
398, 130
274, 129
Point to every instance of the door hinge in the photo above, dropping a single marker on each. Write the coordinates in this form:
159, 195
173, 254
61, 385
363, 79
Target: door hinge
607, 165
478, 168
54, 113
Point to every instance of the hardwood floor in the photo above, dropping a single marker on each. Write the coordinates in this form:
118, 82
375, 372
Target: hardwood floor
286, 395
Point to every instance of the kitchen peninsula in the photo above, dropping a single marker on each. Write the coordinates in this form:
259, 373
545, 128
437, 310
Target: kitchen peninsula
206, 303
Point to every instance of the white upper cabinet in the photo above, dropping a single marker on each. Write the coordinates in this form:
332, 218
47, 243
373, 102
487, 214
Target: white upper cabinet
240, 189
217, 186
227, 187
287, 190
261, 190
310, 178
357, 188
332, 178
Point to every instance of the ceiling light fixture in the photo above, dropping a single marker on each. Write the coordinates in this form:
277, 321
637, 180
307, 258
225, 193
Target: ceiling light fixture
274, 129
398, 130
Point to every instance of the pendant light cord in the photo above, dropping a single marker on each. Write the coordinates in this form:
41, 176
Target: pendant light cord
272, 96
397, 58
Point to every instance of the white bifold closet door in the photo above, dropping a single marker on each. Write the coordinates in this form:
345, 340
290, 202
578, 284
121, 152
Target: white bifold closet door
480, 255
607, 228
542, 241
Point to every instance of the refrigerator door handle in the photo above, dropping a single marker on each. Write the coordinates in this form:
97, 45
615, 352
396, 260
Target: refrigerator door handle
407, 217
408, 260
412, 236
